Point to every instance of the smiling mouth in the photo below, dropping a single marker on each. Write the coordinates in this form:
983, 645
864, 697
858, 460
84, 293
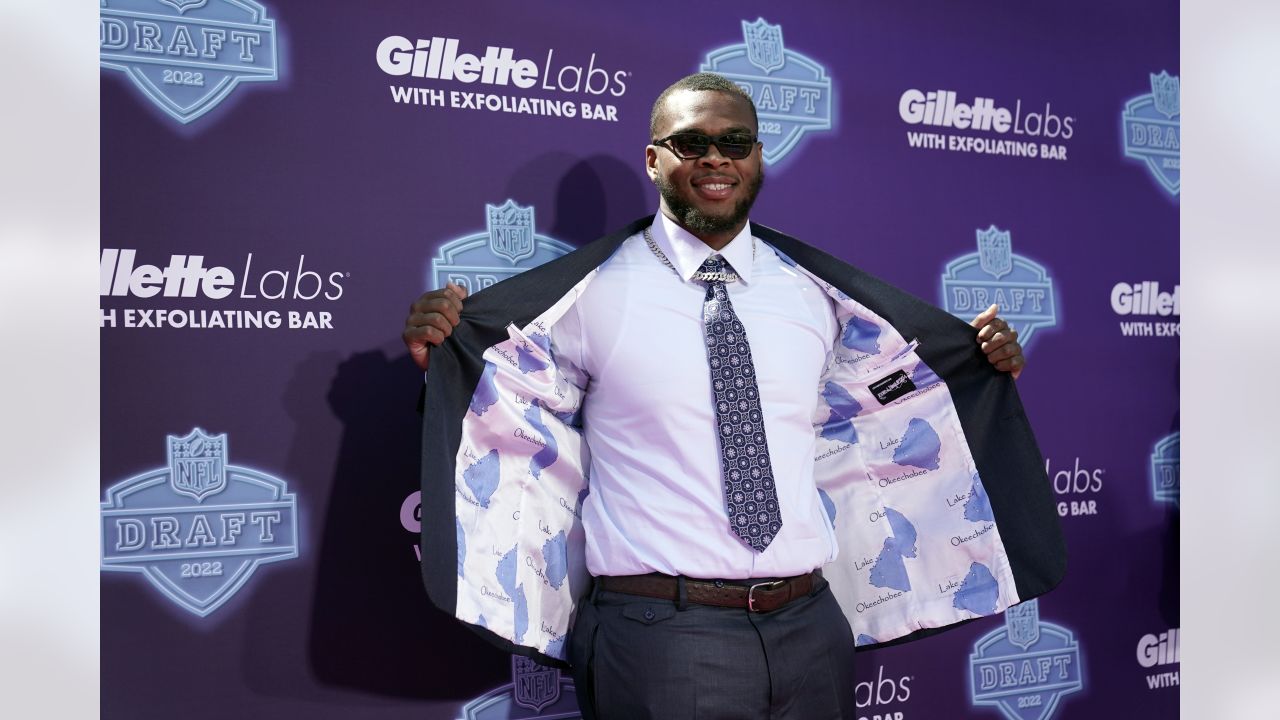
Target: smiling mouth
716, 190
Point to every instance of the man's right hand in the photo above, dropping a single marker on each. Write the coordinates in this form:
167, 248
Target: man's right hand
432, 318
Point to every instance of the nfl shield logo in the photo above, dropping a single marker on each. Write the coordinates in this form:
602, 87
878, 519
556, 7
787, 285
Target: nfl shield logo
198, 555
1022, 623
764, 44
505, 248
1021, 682
187, 56
1166, 93
995, 251
774, 76
1153, 130
1165, 476
510, 230
535, 686
198, 464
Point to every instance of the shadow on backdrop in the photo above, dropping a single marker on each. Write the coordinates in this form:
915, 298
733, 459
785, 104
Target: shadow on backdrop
372, 627
274, 660
593, 196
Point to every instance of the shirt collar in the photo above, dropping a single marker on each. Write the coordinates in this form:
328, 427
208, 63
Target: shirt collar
687, 252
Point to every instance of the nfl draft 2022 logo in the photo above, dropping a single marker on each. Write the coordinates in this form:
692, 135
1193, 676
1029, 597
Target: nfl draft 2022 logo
536, 691
507, 247
198, 527
792, 93
1152, 130
1025, 667
1166, 480
1021, 287
186, 56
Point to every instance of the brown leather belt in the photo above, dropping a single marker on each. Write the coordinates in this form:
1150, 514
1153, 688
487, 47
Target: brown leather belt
764, 596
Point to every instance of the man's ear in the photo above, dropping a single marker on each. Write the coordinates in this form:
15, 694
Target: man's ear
651, 162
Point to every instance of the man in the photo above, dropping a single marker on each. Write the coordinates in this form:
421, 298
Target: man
746, 408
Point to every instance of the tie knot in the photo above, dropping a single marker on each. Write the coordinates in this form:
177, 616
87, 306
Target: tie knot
713, 264
715, 271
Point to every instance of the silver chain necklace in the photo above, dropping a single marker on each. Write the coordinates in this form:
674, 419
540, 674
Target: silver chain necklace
724, 277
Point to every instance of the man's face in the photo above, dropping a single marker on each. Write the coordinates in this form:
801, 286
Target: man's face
710, 195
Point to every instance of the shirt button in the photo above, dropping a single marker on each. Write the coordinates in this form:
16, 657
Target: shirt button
648, 614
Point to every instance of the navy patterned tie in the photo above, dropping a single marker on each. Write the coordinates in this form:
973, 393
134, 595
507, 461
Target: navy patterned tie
749, 492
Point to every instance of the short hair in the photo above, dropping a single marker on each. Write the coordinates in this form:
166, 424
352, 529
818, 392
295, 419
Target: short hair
698, 82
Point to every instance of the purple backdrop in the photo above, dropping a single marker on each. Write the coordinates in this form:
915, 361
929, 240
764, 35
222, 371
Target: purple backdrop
316, 188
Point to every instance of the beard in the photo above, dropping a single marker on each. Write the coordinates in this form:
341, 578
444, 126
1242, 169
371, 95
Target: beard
700, 223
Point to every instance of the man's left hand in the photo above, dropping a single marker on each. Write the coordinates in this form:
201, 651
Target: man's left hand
999, 342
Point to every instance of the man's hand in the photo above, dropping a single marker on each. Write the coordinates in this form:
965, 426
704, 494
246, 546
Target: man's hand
999, 342
432, 318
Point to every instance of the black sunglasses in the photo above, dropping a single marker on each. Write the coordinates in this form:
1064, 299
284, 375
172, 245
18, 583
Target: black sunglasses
690, 145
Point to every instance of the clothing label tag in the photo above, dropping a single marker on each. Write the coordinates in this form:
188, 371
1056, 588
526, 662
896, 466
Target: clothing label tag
891, 387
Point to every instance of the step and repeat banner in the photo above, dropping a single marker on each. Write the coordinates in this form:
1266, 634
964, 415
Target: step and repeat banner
280, 179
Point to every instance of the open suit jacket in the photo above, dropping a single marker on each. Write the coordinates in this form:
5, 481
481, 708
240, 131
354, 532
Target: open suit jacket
925, 463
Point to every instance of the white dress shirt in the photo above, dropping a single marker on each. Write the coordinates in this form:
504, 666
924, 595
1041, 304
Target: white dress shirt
634, 340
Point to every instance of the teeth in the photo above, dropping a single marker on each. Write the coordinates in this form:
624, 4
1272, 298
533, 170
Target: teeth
716, 186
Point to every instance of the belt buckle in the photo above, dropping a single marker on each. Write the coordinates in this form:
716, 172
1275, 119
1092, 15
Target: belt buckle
772, 585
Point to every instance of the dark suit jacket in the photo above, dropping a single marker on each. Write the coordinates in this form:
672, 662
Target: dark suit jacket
501, 532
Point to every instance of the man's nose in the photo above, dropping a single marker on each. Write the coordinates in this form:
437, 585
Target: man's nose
713, 158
